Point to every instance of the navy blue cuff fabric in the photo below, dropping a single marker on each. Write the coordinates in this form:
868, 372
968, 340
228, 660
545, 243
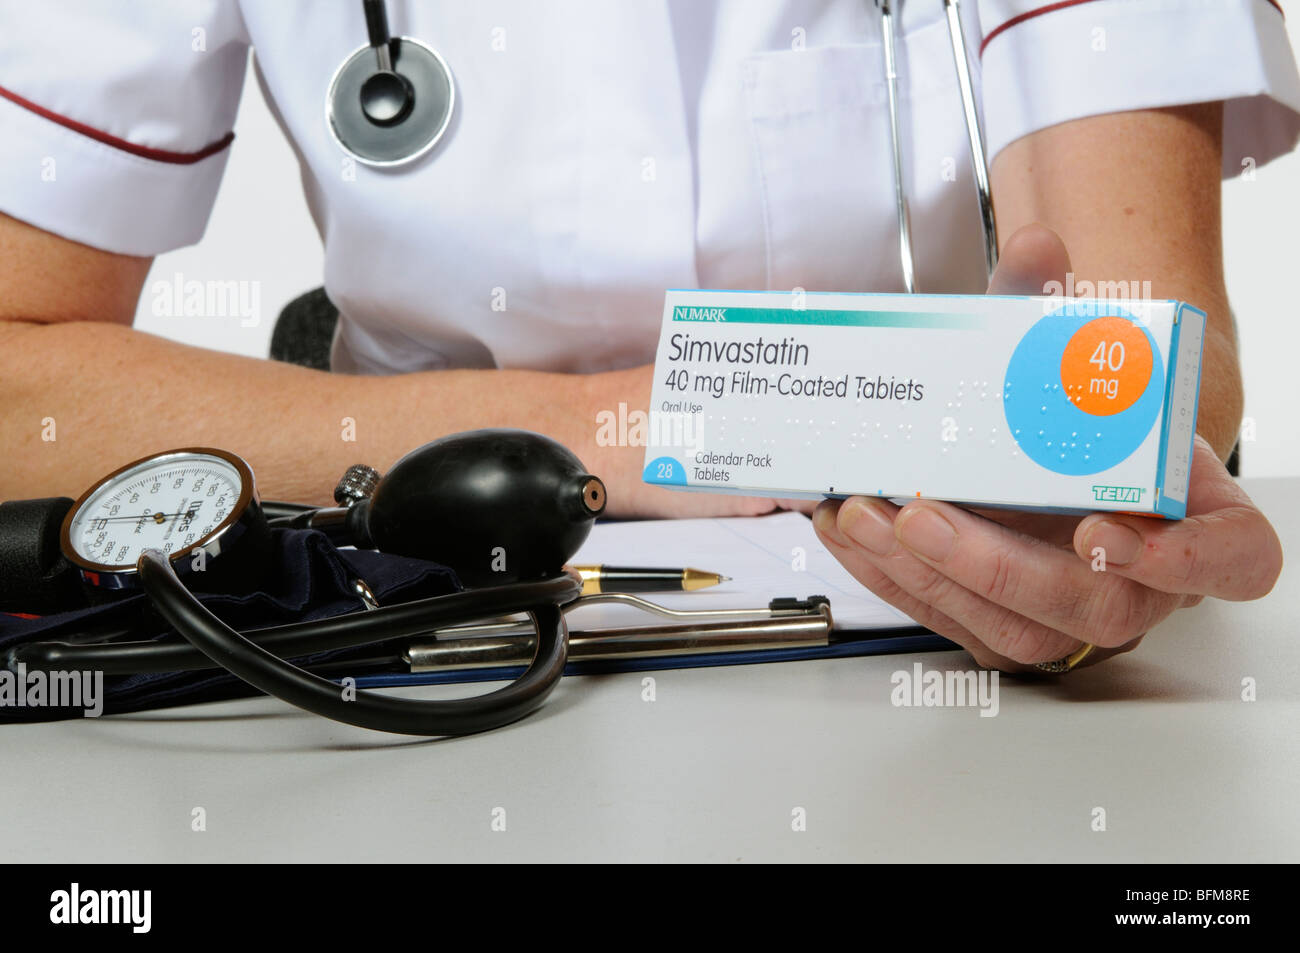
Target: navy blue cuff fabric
312, 580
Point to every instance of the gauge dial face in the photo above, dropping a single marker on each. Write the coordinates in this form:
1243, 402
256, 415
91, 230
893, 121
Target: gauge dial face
172, 502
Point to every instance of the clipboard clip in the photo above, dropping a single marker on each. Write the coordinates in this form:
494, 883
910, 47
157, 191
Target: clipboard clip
784, 623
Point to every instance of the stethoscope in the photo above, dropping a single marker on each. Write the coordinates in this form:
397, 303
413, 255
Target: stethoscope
974, 132
506, 509
391, 101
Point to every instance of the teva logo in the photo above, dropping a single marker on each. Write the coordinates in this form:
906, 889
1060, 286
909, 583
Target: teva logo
699, 314
1118, 494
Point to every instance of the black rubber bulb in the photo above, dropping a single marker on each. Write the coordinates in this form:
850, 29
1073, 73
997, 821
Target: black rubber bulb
497, 506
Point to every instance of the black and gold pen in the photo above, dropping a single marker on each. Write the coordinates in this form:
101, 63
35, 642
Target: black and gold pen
601, 578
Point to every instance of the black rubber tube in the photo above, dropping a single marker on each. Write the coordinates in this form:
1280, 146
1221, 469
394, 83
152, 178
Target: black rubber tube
274, 676
295, 639
376, 22
277, 509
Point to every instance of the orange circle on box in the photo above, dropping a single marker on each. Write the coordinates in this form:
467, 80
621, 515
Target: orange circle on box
1106, 366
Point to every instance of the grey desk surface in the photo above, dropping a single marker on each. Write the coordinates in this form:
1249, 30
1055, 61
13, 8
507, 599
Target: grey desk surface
715, 767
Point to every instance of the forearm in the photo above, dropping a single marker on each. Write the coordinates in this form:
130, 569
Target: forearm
80, 398
1135, 197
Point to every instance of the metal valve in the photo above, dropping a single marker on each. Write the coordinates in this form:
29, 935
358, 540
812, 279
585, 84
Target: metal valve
356, 484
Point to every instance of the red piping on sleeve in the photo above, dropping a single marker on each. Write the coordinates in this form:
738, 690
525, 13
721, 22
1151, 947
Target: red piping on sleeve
1061, 5
144, 152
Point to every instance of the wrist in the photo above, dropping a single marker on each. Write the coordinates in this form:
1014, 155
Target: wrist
1221, 399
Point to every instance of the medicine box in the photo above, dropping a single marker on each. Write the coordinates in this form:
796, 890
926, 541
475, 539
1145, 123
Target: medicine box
1050, 403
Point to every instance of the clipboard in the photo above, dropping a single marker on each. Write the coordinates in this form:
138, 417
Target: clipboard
766, 557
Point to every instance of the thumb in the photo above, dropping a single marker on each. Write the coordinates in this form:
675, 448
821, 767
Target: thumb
1224, 548
1031, 257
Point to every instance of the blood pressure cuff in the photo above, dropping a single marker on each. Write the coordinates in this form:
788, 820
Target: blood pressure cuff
311, 579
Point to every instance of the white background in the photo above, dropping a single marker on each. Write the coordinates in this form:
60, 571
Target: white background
260, 230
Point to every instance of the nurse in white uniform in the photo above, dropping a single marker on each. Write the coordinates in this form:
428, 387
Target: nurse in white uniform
597, 154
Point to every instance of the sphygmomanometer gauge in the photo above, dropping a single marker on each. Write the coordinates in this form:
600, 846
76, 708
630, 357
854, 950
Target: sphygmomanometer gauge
194, 504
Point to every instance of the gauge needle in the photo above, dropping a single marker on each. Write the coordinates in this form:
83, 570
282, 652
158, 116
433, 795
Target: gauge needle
156, 517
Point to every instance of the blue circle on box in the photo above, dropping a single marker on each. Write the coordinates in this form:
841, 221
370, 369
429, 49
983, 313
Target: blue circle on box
664, 470
1046, 424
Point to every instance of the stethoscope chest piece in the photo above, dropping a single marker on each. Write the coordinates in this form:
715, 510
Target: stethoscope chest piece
394, 116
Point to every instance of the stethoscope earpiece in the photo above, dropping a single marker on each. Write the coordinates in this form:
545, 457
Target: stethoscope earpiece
392, 99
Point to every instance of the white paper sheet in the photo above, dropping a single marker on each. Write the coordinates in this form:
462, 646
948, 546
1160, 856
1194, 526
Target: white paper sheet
765, 556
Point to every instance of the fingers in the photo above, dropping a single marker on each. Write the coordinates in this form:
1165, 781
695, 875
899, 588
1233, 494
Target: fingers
1026, 576
1224, 548
996, 636
879, 582
865, 527
1229, 554
1033, 256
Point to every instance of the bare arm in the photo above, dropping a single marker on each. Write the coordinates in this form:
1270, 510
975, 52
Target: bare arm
1135, 197
69, 356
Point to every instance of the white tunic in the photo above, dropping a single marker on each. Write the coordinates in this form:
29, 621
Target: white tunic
601, 152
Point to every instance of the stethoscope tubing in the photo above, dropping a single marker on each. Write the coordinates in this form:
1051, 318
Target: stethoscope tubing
974, 134
273, 675
979, 161
298, 639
